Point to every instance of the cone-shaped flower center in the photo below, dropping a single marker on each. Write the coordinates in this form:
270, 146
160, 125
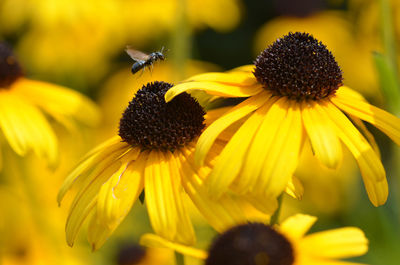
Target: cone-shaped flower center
298, 66
10, 70
150, 123
251, 244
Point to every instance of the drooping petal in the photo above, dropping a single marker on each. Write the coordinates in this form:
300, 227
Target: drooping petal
154, 241
283, 156
25, 127
208, 137
59, 101
324, 141
368, 161
297, 225
163, 204
222, 213
110, 149
366, 133
260, 145
114, 201
215, 89
338, 243
386, 122
229, 163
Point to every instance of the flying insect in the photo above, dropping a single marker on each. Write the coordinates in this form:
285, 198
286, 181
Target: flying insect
143, 60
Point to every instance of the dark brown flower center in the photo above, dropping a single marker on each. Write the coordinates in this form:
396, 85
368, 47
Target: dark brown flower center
151, 123
299, 67
251, 244
10, 70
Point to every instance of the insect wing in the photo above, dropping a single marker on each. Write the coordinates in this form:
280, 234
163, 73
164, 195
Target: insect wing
136, 55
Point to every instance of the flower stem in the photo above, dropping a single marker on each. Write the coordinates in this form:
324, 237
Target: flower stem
275, 216
180, 259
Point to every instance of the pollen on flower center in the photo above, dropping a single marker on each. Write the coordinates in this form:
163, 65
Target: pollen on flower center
10, 70
151, 123
298, 66
251, 244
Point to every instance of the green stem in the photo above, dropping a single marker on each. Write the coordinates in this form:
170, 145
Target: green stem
387, 29
180, 259
181, 41
275, 216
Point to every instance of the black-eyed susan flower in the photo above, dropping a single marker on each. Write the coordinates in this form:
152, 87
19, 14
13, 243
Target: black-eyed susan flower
153, 152
293, 92
24, 103
286, 244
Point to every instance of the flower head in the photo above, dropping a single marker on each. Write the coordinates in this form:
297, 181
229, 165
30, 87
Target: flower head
23, 103
152, 153
286, 244
293, 92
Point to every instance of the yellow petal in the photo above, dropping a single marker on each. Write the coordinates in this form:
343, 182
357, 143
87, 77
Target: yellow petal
164, 211
295, 188
338, 243
229, 163
244, 68
297, 225
237, 78
215, 89
324, 141
115, 200
377, 190
283, 155
260, 145
367, 134
59, 100
25, 127
222, 213
386, 122
106, 151
370, 165
154, 241
208, 137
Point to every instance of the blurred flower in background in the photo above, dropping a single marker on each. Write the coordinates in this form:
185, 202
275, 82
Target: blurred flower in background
77, 40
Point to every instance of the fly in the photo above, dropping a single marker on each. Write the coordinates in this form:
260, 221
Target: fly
142, 60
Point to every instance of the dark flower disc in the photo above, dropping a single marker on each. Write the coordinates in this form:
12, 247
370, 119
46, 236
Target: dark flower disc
131, 254
10, 70
251, 244
151, 123
298, 66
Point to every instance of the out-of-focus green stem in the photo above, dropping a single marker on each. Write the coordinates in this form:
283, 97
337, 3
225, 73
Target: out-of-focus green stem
180, 259
275, 216
388, 81
181, 41
387, 32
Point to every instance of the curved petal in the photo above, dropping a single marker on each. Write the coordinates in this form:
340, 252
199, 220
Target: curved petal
229, 162
244, 68
163, 204
297, 225
386, 122
215, 89
283, 155
295, 188
59, 101
154, 241
236, 78
114, 201
368, 161
324, 141
222, 213
25, 127
260, 145
208, 137
344, 242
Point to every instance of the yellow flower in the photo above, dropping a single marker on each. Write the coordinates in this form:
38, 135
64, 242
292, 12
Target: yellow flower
293, 92
286, 244
153, 152
24, 103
